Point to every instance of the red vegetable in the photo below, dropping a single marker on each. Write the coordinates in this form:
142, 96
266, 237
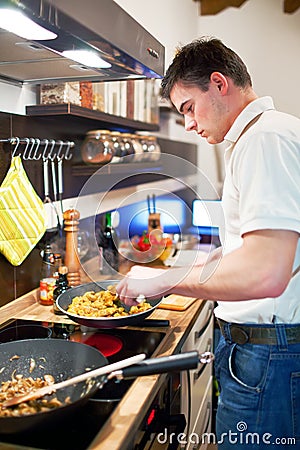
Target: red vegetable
144, 242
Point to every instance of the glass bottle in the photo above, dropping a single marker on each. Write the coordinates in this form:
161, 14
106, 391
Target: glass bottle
57, 264
61, 286
108, 245
47, 281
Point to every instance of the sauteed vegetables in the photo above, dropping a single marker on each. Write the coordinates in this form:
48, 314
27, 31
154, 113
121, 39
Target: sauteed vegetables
18, 384
103, 304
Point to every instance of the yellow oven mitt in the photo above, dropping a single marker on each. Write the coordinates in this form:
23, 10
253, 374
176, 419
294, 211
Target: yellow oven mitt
22, 214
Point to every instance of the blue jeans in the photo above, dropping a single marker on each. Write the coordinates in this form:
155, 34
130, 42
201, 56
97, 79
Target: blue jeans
259, 402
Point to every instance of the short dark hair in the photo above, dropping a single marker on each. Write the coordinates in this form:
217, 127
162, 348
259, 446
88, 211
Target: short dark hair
196, 61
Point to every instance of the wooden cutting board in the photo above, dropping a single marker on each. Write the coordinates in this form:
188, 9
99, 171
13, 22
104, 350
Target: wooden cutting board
176, 302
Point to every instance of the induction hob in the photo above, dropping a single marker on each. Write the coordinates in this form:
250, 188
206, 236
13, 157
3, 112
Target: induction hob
77, 431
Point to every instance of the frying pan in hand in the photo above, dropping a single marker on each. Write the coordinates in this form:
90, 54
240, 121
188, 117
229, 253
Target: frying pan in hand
65, 299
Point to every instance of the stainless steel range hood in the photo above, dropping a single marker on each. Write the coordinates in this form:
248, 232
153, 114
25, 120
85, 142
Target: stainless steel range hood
100, 25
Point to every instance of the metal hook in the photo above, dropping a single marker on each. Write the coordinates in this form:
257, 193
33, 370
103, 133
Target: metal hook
51, 154
27, 140
69, 155
35, 154
59, 156
28, 156
46, 142
16, 147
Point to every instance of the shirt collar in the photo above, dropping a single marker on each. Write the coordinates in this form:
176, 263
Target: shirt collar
254, 108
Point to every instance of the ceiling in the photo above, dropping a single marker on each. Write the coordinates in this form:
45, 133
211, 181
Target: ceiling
211, 7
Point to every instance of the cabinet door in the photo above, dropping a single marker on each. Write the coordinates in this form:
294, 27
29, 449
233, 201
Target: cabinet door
200, 436
196, 384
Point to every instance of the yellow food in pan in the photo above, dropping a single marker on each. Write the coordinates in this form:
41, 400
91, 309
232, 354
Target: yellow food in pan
103, 304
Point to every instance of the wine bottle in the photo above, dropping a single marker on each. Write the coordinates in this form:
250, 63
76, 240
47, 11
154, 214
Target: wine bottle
108, 245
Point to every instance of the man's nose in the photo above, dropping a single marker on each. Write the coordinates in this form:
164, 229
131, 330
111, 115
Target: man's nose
189, 124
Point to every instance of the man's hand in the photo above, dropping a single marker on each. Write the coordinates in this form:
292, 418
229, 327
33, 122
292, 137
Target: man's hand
142, 281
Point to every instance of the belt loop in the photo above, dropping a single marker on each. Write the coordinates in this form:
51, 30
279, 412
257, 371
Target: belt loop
226, 332
282, 341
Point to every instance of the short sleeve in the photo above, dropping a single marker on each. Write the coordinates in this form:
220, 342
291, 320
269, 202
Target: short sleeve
267, 177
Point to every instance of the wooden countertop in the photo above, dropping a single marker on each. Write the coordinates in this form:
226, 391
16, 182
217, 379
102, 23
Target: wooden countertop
122, 425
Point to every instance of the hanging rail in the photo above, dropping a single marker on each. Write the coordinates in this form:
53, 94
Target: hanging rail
35, 148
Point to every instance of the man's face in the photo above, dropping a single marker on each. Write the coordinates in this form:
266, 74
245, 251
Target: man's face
204, 112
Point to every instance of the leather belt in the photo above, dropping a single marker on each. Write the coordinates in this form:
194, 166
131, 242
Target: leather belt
266, 335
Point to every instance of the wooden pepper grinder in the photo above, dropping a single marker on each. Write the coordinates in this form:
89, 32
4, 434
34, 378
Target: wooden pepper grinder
71, 221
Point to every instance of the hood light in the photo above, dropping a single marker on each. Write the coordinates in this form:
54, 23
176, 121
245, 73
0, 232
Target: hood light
19, 24
86, 58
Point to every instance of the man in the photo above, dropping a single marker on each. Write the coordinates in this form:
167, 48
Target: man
255, 279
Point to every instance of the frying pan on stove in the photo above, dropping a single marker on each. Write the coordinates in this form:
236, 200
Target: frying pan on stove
57, 357
64, 359
65, 299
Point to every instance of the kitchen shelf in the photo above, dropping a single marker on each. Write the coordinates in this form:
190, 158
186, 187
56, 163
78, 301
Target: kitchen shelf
97, 119
108, 169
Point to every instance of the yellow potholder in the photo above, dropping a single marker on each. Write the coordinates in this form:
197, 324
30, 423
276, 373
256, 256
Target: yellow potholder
22, 214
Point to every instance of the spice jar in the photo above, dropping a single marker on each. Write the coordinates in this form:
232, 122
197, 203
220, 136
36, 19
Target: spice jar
151, 148
97, 147
138, 149
86, 94
154, 150
118, 147
143, 139
128, 147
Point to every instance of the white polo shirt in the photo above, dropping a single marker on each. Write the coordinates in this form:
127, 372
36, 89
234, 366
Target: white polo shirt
262, 191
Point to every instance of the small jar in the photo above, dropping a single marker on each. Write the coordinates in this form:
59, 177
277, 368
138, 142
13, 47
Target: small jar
154, 150
86, 94
138, 148
97, 147
143, 139
118, 147
128, 147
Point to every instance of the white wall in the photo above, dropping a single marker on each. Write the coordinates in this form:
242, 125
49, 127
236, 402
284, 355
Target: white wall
13, 99
268, 40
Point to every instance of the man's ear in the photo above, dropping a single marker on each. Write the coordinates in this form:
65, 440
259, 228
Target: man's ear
220, 81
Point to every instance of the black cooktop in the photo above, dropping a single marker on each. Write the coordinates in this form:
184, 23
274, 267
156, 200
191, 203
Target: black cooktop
77, 431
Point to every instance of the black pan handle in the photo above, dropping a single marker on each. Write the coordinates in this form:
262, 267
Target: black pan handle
154, 323
164, 364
